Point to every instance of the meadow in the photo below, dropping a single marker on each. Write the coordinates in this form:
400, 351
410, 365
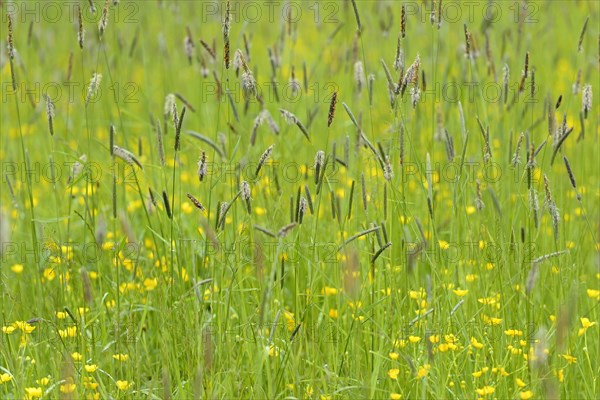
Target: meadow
299, 199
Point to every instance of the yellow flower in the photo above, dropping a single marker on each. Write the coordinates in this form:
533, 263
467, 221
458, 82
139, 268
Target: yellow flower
526, 395
395, 396
151, 284
460, 292
24, 326
89, 383
49, 274
434, 338
5, 378
76, 356
520, 383
414, 339
17, 268
444, 245
8, 329
393, 373
121, 357
560, 375
308, 391
394, 355
486, 390
491, 320
513, 332
123, 385
33, 392
471, 210
67, 388
71, 331
90, 368
273, 351
329, 291
333, 313
290, 321
570, 359
476, 344
585, 323
423, 371
43, 381
593, 294
260, 211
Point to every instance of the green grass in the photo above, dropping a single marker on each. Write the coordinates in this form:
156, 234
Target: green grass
103, 295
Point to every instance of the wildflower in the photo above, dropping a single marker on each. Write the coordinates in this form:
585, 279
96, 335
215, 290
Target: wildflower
90, 368
414, 339
476, 344
460, 292
330, 291
491, 320
25, 327
593, 294
67, 387
479, 373
69, 332
150, 283
513, 332
526, 395
585, 323
273, 351
5, 378
423, 371
33, 392
121, 357
570, 359
17, 268
123, 385
486, 390
444, 347
393, 373
395, 396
